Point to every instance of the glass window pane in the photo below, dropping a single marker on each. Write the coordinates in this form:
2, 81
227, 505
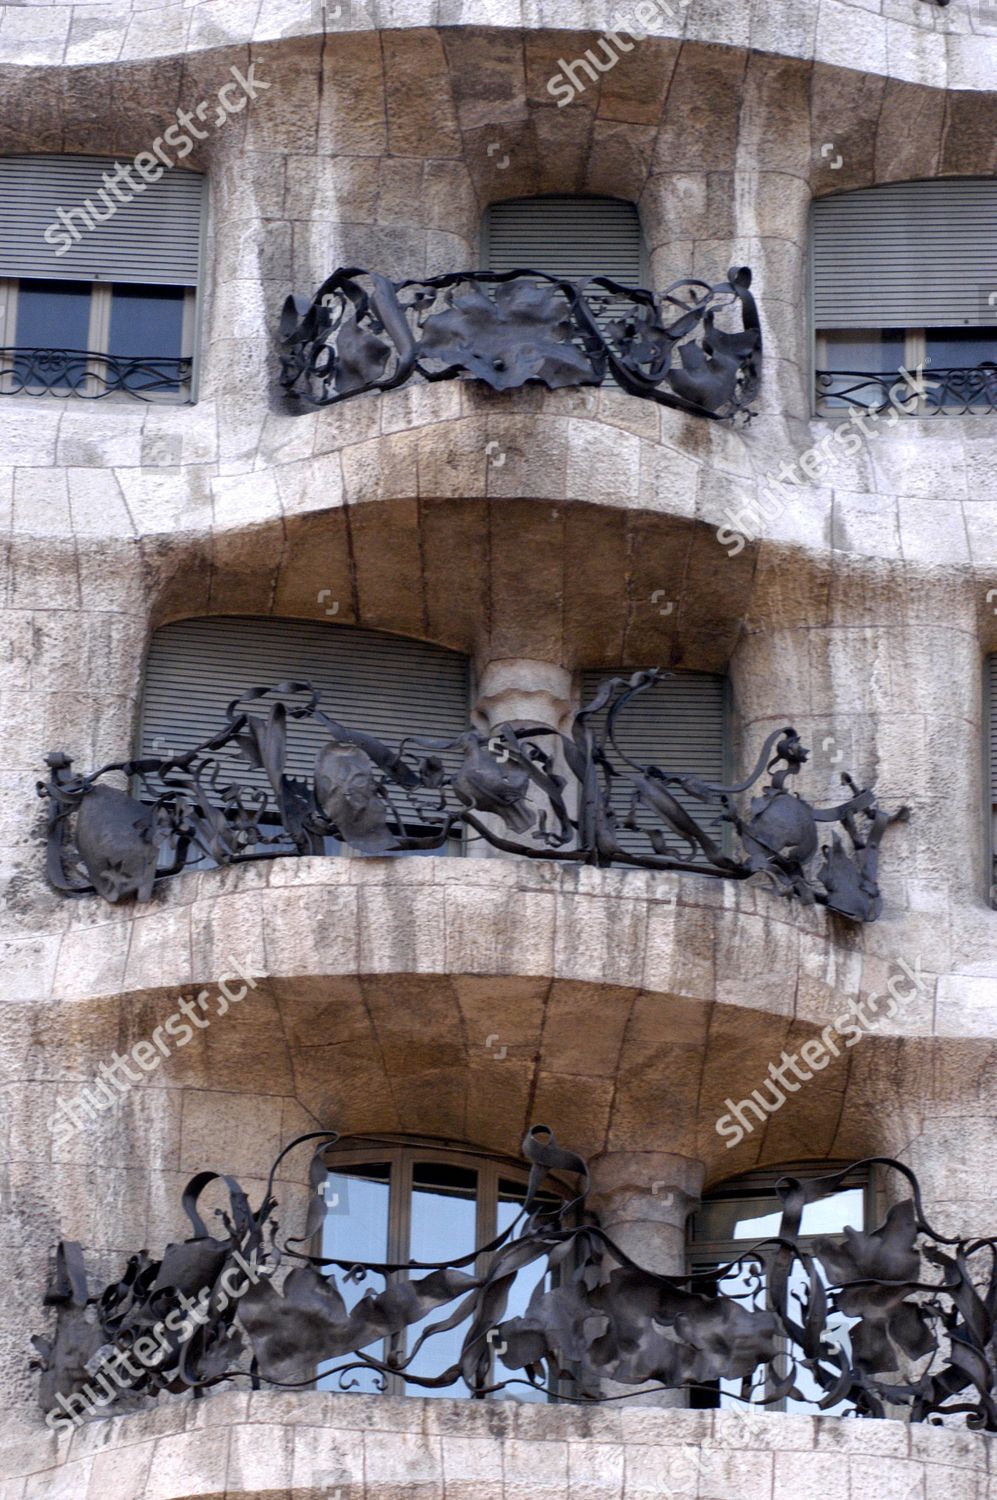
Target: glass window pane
853, 356
730, 1226
950, 348
55, 316
512, 1196
444, 1227
755, 1218
356, 1229
749, 1218
147, 328
961, 371
833, 1214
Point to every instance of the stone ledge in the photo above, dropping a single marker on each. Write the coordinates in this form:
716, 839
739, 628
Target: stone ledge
882, 505
436, 915
308, 1445
915, 42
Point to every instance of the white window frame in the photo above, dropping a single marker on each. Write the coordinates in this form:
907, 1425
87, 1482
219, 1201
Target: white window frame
98, 336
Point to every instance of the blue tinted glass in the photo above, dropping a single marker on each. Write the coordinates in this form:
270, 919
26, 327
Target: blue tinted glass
853, 353
960, 348
51, 315
510, 1205
147, 327
356, 1229
963, 362
444, 1218
146, 321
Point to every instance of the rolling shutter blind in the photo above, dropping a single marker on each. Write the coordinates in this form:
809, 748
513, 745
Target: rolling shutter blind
680, 725
906, 255
153, 240
565, 237
384, 684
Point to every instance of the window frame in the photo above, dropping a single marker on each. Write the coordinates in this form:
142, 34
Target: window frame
707, 1255
915, 338
98, 337
401, 1154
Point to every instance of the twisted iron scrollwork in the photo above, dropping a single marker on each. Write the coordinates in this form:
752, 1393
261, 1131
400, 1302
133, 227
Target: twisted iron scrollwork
214, 1309
380, 799
76, 372
362, 332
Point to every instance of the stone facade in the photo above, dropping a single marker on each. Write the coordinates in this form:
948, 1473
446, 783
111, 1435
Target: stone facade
629, 1005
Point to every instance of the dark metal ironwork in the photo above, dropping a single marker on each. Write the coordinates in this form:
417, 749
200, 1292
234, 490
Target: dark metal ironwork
380, 799
362, 332
948, 391
920, 1309
79, 372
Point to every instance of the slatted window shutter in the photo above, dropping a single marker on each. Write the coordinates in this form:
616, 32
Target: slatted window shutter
906, 255
572, 237
565, 237
387, 685
154, 240
680, 724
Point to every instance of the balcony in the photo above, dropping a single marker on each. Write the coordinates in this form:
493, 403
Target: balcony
502, 788
362, 333
839, 1320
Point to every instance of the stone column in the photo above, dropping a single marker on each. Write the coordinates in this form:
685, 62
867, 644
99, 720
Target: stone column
643, 1199
517, 691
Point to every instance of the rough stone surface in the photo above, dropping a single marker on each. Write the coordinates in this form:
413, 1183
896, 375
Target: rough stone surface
311, 1446
631, 1010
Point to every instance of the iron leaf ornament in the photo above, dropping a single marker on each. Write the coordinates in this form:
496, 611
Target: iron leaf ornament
199, 807
245, 1304
362, 332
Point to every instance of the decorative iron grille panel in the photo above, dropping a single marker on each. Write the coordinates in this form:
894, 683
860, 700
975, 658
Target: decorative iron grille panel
363, 333
914, 1300
385, 798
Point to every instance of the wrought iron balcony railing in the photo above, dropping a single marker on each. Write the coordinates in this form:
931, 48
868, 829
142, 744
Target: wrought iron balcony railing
899, 1317
943, 392
371, 795
362, 332
80, 372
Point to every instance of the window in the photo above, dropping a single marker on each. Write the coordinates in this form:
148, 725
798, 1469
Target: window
98, 284
738, 1215
390, 1202
906, 275
385, 684
680, 724
565, 237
